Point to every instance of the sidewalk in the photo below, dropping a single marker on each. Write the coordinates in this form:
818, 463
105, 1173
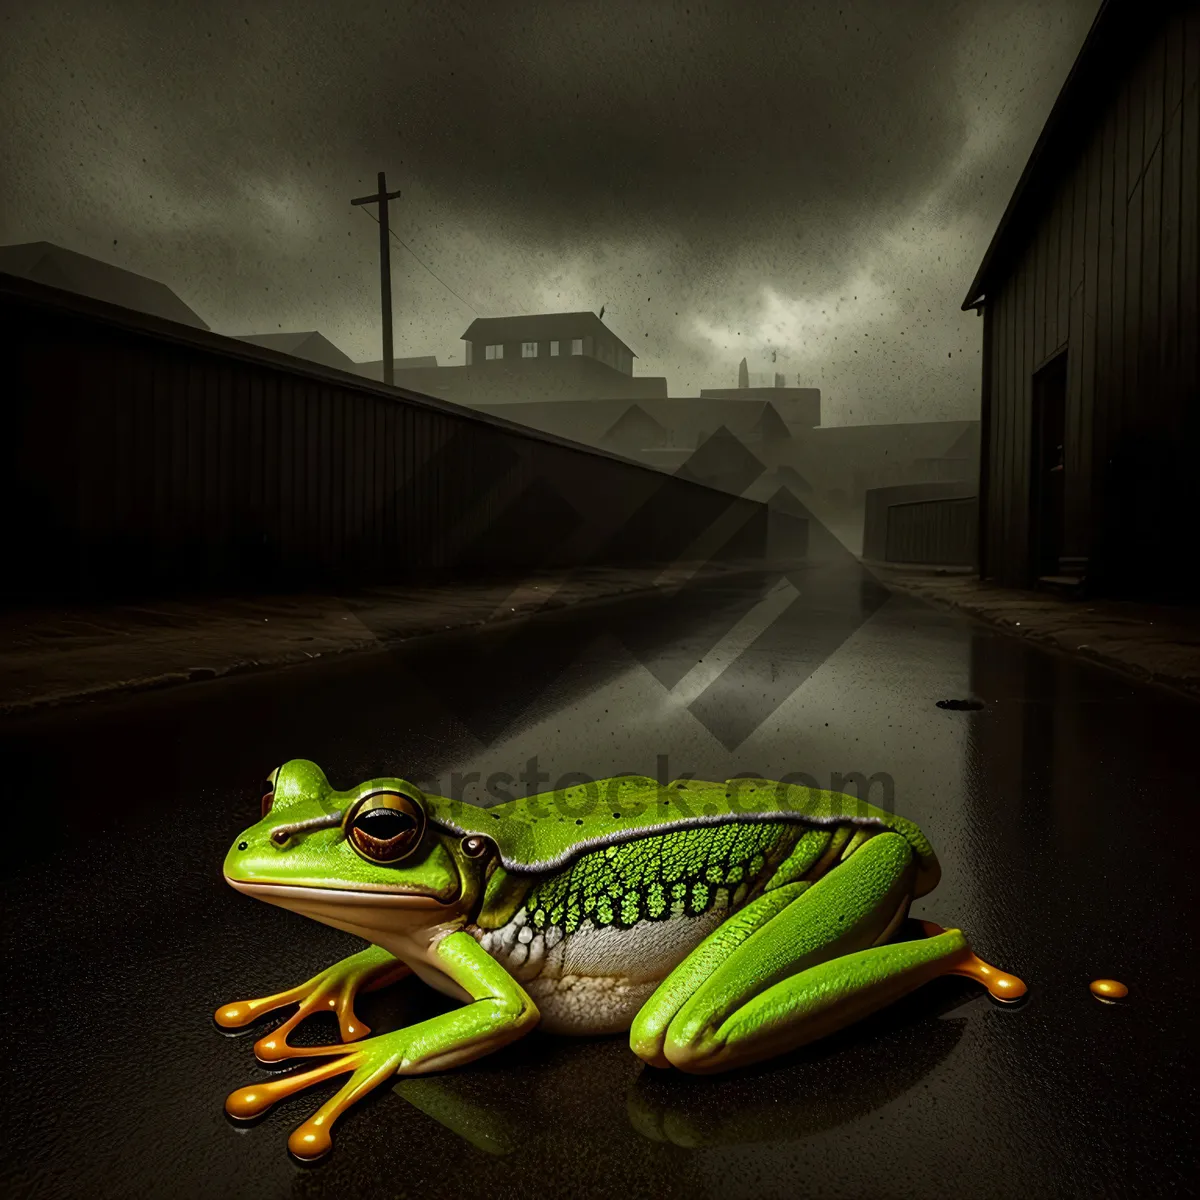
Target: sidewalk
70, 655
1153, 643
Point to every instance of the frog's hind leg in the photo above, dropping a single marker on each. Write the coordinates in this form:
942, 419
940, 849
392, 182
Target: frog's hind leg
799, 963
333, 990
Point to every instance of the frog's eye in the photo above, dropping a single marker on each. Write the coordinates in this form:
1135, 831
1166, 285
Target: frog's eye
269, 793
385, 827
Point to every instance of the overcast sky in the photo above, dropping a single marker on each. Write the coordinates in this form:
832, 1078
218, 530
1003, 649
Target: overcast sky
812, 184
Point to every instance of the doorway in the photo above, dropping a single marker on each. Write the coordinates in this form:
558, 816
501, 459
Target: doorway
1047, 493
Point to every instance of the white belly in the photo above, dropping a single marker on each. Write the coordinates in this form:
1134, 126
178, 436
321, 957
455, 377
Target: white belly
595, 979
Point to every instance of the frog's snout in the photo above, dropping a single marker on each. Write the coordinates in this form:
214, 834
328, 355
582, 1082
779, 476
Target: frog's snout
250, 859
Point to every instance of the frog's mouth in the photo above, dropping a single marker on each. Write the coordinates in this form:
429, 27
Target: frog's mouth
365, 914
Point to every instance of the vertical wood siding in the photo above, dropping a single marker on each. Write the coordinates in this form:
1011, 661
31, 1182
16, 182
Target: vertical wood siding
1109, 272
940, 532
138, 460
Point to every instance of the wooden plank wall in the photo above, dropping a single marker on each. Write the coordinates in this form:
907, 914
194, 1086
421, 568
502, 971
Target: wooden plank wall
1109, 275
136, 463
879, 502
935, 532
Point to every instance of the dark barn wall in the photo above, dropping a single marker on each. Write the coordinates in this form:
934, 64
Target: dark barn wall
139, 458
878, 502
1107, 273
933, 532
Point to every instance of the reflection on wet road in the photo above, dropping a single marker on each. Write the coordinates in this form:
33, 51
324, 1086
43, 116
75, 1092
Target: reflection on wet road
1059, 811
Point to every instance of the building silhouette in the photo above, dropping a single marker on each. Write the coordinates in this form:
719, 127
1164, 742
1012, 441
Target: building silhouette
310, 346
374, 370
58, 267
1088, 291
492, 340
545, 357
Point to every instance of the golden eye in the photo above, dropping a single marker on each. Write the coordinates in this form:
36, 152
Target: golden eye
385, 827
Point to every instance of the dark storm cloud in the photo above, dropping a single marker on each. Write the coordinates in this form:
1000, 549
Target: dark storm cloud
554, 120
744, 177
585, 116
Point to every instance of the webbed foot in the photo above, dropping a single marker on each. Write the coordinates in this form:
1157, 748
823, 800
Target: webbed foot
333, 990
370, 1063
500, 1012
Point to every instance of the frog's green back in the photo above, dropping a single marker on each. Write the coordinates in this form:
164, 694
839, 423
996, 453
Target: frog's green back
537, 834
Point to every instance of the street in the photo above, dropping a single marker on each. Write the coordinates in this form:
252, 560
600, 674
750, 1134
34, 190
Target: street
1059, 809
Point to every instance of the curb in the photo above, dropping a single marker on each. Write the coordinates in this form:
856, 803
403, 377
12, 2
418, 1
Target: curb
1179, 685
148, 683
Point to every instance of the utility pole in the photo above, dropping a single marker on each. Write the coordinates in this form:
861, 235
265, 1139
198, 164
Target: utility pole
385, 272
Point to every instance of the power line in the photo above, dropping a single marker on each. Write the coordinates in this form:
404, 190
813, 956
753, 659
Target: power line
431, 272
620, 333
381, 198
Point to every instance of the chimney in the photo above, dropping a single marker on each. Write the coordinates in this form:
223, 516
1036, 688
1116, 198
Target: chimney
743, 374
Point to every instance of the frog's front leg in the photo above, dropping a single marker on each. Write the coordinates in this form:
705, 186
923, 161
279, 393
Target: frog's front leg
334, 989
801, 962
500, 1012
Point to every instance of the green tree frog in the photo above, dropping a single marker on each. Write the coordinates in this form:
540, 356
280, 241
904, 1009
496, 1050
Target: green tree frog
720, 924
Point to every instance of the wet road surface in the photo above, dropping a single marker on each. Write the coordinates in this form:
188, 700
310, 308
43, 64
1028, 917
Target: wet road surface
1061, 812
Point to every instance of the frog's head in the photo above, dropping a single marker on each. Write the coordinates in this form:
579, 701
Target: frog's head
367, 860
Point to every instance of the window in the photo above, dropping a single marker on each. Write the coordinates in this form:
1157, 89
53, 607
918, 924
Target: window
553, 349
577, 345
529, 349
494, 352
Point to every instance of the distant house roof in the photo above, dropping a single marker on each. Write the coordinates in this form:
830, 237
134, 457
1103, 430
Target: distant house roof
539, 327
375, 369
683, 421
635, 429
770, 424
312, 346
747, 420
899, 439
44, 262
790, 477
1116, 33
